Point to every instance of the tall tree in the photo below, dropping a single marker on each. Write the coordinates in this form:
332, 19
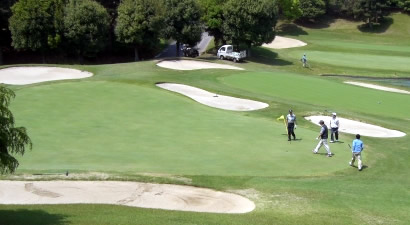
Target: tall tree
312, 9
86, 25
250, 22
290, 9
13, 140
34, 24
183, 22
213, 19
139, 24
372, 11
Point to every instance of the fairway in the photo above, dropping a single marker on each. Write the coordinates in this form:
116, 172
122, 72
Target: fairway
119, 128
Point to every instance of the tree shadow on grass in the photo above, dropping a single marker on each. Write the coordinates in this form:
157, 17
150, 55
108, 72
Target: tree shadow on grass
291, 29
377, 28
268, 57
323, 22
30, 217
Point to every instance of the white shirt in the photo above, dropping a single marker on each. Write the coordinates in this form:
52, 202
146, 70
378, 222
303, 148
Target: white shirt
291, 118
334, 122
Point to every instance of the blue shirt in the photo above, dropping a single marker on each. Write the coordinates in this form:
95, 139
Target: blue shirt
357, 146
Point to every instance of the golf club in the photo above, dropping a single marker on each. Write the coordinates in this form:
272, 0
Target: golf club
349, 146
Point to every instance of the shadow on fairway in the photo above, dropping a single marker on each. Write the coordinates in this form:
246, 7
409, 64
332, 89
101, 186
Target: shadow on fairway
31, 217
267, 57
291, 29
379, 28
323, 22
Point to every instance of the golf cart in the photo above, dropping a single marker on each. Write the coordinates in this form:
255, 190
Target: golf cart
189, 51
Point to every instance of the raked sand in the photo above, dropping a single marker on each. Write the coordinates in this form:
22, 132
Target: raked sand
283, 42
145, 195
193, 65
378, 87
356, 127
212, 99
36, 74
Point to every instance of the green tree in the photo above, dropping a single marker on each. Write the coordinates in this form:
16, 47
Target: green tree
139, 24
86, 26
372, 11
13, 140
35, 25
290, 9
5, 13
213, 19
312, 9
250, 22
183, 22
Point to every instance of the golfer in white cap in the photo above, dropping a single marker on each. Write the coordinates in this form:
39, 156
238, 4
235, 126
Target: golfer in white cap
334, 128
324, 132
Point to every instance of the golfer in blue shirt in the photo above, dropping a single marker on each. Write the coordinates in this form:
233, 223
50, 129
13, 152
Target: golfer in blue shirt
357, 148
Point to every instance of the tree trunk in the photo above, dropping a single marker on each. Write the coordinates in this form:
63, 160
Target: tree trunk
249, 50
177, 46
1, 57
43, 57
137, 58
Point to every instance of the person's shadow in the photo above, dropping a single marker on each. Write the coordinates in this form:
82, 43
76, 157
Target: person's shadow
30, 217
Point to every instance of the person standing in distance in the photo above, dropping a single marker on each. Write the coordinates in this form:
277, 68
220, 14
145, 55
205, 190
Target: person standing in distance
357, 148
291, 122
334, 128
304, 60
323, 134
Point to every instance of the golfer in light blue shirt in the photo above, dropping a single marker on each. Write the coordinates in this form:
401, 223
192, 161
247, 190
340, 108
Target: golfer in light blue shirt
357, 148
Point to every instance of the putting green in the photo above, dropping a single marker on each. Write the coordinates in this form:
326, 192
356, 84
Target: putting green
332, 94
108, 126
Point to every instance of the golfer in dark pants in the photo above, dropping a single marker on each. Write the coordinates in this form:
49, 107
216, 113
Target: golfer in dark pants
291, 121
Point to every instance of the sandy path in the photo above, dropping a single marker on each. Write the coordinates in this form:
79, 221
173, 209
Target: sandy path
193, 65
145, 195
283, 42
378, 87
213, 100
30, 75
356, 127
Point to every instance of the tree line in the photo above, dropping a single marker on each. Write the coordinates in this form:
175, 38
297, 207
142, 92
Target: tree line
85, 28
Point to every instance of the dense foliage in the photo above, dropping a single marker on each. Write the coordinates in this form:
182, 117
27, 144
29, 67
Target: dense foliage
312, 9
139, 24
86, 25
13, 140
183, 22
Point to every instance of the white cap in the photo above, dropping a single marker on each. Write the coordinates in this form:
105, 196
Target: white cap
334, 114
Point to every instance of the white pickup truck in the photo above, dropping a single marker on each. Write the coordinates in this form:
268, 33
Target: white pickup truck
226, 52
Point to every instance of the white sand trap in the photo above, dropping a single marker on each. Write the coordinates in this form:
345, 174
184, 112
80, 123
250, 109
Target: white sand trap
213, 100
282, 42
356, 127
193, 65
378, 87
30, 75
145, 195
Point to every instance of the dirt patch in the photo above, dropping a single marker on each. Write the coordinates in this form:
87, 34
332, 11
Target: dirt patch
30, 75
145, 195
356, 127
378, 87
213, 99
193, 65
283, 42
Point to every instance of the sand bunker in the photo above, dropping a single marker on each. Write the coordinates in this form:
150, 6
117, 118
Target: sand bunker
193, 65
145, 195
282, 42
30, 75
378, 87
214, 100
356, 127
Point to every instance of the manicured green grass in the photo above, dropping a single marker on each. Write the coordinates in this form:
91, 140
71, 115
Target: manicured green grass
119, 123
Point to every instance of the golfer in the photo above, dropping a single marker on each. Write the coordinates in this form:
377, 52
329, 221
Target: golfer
291, 121
304, 60
334, 128
357, 148
323, 134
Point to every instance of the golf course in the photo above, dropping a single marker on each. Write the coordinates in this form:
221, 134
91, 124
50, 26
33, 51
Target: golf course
119, 126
